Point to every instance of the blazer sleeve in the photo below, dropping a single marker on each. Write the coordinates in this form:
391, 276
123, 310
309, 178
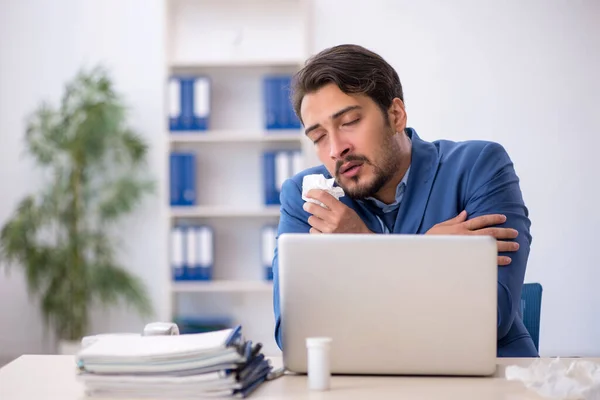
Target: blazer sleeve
293, 219
493, 188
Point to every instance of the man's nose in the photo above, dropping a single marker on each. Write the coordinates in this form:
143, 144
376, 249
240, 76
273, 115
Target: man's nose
339, 147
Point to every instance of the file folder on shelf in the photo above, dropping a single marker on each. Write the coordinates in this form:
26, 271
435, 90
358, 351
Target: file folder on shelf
192, 252
278, 109
189, 103
175, 101
177, 248
270, 103
277, 167
182, 179
200, 248
269, 239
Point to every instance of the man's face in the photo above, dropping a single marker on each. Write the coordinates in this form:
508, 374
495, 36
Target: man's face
352, 139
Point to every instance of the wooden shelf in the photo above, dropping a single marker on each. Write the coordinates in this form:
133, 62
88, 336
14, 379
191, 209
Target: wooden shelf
222, 286
232, 136
224, 212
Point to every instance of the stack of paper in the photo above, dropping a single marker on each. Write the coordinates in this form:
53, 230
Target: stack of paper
212, 364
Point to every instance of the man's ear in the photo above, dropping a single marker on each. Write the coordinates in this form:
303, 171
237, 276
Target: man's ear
397, 115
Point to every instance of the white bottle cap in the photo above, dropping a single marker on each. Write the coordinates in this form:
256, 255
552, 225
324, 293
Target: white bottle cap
319, 364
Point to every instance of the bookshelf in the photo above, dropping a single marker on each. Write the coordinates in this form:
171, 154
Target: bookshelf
235, 43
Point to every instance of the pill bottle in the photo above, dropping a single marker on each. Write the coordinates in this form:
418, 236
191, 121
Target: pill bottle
319, 363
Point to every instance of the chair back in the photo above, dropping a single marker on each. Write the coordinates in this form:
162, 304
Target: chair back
530, 310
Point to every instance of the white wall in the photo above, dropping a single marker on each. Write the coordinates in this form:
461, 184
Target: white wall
43, 44
524, 74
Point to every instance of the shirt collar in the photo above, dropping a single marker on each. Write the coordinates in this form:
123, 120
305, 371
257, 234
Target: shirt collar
400, 189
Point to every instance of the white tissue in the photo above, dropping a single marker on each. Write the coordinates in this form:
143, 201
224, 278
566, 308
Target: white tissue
557, 379
318, 181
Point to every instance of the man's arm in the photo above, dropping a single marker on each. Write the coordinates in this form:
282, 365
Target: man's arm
293, 219
493, 188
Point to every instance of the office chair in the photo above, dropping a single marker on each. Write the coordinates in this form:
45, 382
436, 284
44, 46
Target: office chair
530, 310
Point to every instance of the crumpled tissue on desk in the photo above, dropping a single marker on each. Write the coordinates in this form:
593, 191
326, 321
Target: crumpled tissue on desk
559, 379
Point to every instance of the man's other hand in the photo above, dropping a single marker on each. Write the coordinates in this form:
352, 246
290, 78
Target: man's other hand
482, 225
335, 218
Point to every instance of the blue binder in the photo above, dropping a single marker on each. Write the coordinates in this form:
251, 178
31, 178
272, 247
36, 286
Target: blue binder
270, 103
283, 116
175, 99
175, 171
271, 195
192, 252
177, 253
182, 179
278, 110
189, 103
201, 103
205, 249
268, 241
288, 116
276, 169
189, 251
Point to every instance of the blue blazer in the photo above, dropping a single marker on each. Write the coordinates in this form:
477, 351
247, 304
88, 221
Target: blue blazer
445, 178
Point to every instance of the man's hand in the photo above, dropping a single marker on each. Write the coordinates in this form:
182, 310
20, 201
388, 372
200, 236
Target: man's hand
480, 226
336, 218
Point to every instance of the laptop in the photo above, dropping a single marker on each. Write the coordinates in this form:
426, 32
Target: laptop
392, 304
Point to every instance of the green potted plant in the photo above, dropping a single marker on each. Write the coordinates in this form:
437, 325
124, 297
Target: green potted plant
93, 168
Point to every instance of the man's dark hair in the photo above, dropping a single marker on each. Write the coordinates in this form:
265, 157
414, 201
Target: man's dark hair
354, 69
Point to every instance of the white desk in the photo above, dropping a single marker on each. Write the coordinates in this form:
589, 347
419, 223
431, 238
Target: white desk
37, 377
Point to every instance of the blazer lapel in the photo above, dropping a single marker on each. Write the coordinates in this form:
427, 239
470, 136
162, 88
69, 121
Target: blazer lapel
424, 166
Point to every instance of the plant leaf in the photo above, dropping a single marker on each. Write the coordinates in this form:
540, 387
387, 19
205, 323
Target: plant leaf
42, 135
111, 283
134, 146
122, 196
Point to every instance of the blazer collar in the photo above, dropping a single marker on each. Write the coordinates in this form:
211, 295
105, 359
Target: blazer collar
425, 161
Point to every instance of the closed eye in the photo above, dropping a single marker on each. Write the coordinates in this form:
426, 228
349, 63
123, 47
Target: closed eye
318, 139
351, 122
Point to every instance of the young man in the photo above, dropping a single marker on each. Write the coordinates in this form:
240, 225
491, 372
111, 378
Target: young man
351, 104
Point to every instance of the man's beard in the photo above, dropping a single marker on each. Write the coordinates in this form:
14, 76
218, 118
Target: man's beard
384, 171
